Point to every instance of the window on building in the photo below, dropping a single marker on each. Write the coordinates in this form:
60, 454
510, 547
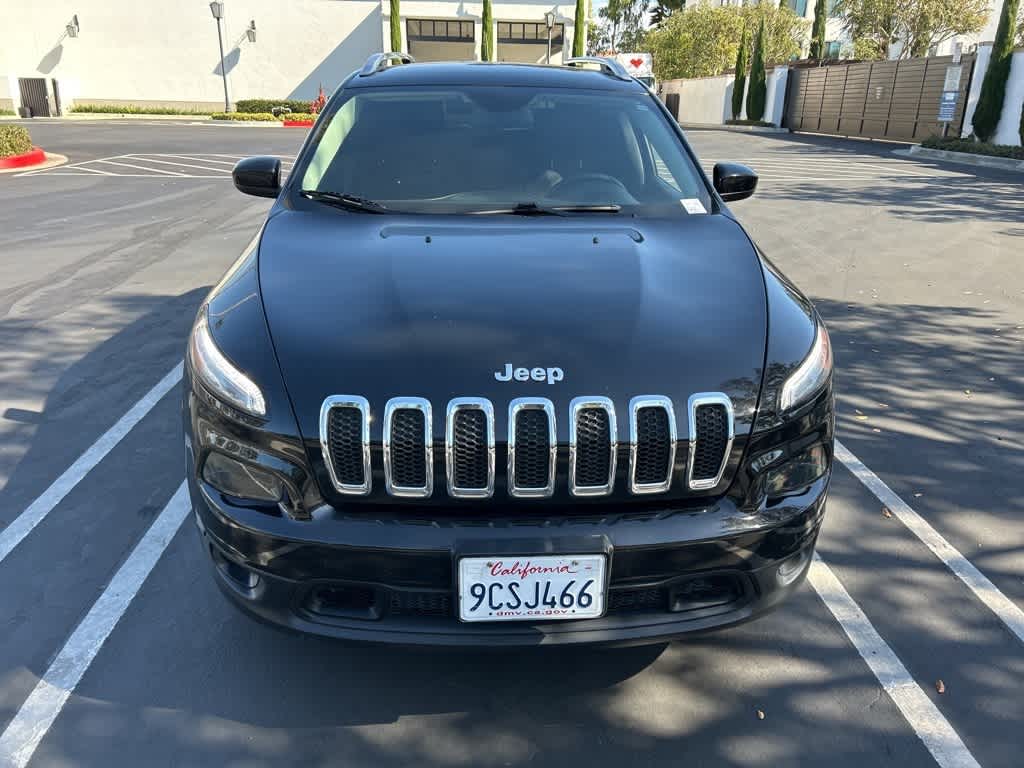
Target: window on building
832, 49
431, 29
799, 7
525, 32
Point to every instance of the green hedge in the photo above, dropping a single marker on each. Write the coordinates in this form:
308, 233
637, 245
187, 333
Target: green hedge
6, 112
245, 117
14, 140
132, 109
267, 105
973, 147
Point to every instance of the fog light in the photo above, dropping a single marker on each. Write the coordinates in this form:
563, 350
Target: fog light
799, 472
792, 567
243, 480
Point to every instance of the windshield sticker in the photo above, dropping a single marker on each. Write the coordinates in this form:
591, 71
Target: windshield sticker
692, 205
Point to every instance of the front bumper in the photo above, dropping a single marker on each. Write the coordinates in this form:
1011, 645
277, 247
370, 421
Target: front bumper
355, 577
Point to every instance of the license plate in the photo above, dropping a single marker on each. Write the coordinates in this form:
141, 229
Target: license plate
531, 588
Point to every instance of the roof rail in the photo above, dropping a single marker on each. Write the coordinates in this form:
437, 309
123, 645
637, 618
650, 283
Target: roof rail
608, 66
379, 61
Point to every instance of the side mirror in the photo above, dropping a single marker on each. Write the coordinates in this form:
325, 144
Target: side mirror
734, 181
260, 176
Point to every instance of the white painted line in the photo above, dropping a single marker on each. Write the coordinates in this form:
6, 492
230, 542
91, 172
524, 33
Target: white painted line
37, 511
921, 714
208, 168
198, 159
987, 592
39, 711
141, 167
94, 170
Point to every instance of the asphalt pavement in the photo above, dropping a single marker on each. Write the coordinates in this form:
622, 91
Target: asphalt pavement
118, 650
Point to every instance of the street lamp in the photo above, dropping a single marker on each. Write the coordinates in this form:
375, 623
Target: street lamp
250, 31
549, 22
217, 9
72, 26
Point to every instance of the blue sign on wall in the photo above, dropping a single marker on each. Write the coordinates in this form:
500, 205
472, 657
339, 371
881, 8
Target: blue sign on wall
947, 106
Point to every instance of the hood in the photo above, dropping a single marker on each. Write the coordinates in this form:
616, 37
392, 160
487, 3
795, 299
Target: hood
434, 307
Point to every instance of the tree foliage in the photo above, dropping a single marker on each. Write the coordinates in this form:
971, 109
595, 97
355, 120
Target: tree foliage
664, 8
579, 25
877, 25
704, 40
487, 41
758, 90
818, 30
622, 25
741, 77
396, 26
993, 87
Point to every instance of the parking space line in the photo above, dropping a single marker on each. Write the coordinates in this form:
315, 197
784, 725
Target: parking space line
920, 712
144, 159
37, 714
987, 592
141, 167
37, 511
197, 159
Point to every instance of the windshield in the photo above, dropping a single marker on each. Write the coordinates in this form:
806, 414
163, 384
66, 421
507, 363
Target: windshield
469, 149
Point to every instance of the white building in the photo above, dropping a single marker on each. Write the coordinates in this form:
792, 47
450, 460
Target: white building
148, 52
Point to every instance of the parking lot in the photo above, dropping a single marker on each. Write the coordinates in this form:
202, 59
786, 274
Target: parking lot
905, 647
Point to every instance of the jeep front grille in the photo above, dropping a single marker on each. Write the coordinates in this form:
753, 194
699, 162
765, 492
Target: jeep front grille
345, 442
408, 447
593, 438
652, 444
469, 448
531, 447
711, 436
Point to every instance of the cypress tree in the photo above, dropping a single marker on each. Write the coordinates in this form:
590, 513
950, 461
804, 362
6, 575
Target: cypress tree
993, 87
487, 44
741, 77
579, 28
818, 31
757, 91
396, 27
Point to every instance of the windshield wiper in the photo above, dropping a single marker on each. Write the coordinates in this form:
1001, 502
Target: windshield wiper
341, 200
533, 209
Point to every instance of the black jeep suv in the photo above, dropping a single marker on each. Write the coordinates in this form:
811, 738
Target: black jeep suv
501, 368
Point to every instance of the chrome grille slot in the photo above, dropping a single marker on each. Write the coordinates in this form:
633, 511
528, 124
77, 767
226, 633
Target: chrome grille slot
469, 448
408, 447
592, 446
711, 435
652, 444
345, 443
531, 447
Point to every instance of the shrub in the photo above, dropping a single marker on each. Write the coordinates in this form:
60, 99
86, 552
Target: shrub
267, 105
741, 77
296, 116
758, 123
6, 112
14, 140
245, 117
132, 109
993, 87
757, 93
951, 144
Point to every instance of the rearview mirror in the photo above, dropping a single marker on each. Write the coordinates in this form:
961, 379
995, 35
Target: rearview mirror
734, 181
260, 176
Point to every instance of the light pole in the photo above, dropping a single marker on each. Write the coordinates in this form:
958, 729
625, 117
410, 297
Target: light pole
549, 21
217, 9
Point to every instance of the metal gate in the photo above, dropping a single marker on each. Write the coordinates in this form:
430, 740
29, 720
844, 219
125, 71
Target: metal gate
877, 99
33, 95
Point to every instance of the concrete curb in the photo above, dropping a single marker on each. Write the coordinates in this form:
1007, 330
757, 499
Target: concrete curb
734, 128
52, 161
962, 158
119, 116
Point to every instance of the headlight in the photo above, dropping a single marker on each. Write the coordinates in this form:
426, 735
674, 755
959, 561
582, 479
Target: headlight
812, 374
219, 375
